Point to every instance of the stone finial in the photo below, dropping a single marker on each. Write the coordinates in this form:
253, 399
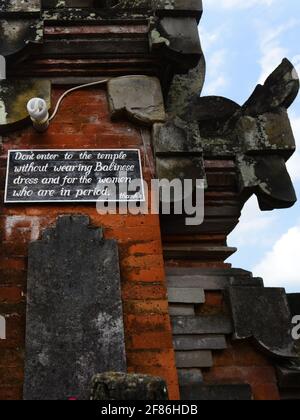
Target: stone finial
279, 91
258, 135
266, 139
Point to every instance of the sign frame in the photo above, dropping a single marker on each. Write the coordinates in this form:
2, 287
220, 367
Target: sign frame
60, 201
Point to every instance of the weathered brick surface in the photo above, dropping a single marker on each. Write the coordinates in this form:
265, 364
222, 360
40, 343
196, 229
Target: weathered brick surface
262, 379
83, 122
241, 362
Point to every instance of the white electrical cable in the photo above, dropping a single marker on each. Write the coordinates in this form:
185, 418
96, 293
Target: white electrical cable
38, 110
72, 90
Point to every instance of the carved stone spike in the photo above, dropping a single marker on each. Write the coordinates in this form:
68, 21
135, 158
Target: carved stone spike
74, 311
259, 135
280, 90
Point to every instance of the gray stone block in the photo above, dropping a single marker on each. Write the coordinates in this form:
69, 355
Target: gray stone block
198, 342
186, 295
193, 359
74, 311
196, 281
137, 97
212, 282
193, 271
177, 137
181, 310
216, 393
213, 324
189, 377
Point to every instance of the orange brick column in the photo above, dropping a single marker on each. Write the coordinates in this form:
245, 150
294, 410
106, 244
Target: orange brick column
84, 122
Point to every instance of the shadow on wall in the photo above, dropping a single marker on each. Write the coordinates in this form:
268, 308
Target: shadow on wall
2, 328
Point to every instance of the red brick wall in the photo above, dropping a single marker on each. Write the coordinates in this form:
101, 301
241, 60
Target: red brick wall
83, 122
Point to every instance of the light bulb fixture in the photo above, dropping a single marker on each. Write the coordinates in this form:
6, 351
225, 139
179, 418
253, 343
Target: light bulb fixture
38, 111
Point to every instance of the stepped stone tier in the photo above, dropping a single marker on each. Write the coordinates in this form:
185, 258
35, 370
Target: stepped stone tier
106, 302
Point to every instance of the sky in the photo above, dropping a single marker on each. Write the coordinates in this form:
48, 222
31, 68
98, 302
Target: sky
243, 42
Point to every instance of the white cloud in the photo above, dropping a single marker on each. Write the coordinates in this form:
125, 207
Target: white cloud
208, 39
281, 266
216, 64
272, 52
253, 227
296, 62
238, 4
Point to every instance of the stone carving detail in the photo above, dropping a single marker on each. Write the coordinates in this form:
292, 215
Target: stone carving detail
258, 134
263, 314
74, 311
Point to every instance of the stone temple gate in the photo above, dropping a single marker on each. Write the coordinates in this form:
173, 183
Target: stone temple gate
90, 301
